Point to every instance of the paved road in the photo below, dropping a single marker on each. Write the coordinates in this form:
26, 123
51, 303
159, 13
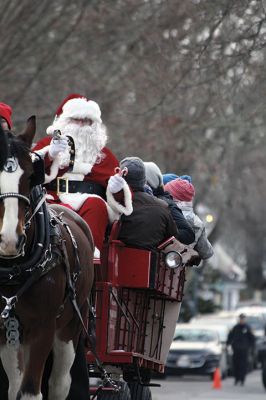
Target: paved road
199, 388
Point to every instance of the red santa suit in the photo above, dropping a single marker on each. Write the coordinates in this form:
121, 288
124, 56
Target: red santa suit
85, 167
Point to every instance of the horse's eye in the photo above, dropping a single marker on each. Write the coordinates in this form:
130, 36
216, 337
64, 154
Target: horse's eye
11, 165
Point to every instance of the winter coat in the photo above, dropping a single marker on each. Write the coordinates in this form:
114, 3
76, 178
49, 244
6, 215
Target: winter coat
99, 174
95, 183
241, 337
201, 243
186, 234
149, 225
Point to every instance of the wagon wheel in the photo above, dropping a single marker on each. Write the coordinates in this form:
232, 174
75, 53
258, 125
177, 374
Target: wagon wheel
124, 393
139, 392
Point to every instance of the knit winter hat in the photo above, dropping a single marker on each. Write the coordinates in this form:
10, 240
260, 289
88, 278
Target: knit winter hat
154, 176
180, 189
169, 177
186, 178
135, 177
6, 112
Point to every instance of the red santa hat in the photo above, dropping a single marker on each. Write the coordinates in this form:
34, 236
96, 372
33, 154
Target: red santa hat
78, 107
6, 112
180, 189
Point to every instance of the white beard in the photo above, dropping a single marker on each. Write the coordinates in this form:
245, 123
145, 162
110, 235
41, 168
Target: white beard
89, 140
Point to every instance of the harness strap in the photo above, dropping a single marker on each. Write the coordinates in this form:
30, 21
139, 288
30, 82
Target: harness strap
39, 205
107, 381
11, 301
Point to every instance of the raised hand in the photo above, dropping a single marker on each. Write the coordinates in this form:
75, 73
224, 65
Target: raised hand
57, 146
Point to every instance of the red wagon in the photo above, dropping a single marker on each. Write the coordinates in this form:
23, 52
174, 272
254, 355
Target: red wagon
137, 301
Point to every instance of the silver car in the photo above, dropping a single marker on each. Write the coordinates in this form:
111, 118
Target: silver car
196, 350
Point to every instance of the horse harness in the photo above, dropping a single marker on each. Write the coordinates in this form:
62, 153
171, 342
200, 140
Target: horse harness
47, 251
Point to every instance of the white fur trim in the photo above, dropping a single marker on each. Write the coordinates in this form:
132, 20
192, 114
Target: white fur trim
82, 108
53, 171
113, 215
115, 206
49, 197
50, 130
76, 200
54, 166
82, 168
42, 152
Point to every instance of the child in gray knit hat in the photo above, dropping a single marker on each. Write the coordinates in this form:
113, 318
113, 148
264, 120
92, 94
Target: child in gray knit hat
135, 176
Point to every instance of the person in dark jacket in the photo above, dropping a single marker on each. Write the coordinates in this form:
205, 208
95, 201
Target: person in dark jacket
150, 223
242, 340
154, 179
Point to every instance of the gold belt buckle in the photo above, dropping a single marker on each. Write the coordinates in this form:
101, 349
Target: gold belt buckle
58, 180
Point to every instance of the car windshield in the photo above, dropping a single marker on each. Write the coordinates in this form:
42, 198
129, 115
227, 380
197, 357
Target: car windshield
195, 335
256, 323
221, 330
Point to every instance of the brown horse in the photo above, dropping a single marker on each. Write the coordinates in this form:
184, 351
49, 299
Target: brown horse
46, 274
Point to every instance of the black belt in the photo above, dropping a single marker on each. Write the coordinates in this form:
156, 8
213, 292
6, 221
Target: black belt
63, 185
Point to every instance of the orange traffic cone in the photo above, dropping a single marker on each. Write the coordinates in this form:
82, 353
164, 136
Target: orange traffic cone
217, 382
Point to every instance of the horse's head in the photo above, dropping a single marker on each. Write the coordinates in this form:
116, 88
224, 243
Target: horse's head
16, 170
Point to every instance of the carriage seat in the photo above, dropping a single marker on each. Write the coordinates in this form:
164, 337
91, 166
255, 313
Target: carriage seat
130, 267
122, 265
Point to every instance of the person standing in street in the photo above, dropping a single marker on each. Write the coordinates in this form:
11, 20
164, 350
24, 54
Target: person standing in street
242, 341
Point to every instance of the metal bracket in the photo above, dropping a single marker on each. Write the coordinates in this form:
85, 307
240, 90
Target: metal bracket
10, 303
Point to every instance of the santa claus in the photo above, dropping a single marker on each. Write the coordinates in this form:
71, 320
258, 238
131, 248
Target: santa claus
80, 170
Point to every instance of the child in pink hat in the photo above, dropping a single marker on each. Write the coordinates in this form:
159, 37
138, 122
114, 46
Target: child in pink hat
183, 193
180, 189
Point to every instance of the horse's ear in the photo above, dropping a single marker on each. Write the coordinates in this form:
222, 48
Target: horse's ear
28, 134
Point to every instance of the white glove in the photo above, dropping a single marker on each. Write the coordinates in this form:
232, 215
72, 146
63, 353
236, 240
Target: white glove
116, 183
57, 146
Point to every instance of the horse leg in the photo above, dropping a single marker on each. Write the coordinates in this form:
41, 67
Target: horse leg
3, 383
38, 352
60, 379
10, 361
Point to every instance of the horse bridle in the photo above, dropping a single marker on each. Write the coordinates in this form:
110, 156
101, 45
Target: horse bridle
28, 222
11, 166
15, 195
18, 196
